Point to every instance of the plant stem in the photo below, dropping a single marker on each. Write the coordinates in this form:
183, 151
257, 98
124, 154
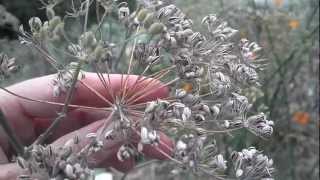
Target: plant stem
64, 111
86, 16
50, 102
123, 48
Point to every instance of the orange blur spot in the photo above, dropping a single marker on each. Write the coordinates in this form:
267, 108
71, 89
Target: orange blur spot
294, 24
187, 87
278, 3
302, 118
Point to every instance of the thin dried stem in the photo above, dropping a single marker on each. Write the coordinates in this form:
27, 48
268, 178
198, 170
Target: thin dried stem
52, 103
86, 16
130, 66
162, 152
133, 89
106, 85
63, 113
150, 86
96, 93
152, 90
106, 123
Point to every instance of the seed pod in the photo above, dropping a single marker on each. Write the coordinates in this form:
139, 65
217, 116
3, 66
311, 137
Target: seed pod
199, 117
144, 135
152, 136
181, 145
215, 110
35, 24
151, 107
186, 114
142, 15
7, 65
156, 28
123, 12
66, 152
124, 153
91, 135
180, 93
97, 146
77, 168
149, 19
205, 108
98, 53
62, 164
209, 19
21, 162
88, 40
259, 125
69, 171
220, 162
239, 173
108, 135
226, 124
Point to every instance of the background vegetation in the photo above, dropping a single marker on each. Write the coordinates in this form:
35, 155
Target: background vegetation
289, 32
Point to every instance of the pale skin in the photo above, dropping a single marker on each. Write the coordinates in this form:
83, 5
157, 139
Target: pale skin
29, 119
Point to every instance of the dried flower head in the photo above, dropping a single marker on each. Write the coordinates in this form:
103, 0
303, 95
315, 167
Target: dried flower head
259, 125
206, 74
7, 66
251, 164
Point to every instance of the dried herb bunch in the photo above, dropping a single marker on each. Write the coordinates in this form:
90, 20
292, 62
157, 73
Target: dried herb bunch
205, 73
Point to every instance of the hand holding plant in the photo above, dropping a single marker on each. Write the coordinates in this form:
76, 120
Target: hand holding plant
189, 87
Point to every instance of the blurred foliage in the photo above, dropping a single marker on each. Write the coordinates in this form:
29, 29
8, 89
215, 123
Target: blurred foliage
289, 32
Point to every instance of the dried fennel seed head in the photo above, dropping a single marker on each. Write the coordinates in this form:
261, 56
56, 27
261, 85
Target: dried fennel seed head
205, 72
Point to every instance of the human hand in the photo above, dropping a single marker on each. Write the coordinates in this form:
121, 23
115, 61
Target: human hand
30, 119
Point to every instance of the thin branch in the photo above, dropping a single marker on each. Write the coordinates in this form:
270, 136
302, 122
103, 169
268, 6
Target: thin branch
96, 93
64, 111
106, 85
152, 90
123, 48
106, 122
86, 16
151, 84
130, 66
50, 102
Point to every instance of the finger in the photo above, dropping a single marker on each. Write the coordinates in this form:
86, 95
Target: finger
41, 89
28, 129
74, 120
33, 117
110, 147
105, 157
80, 134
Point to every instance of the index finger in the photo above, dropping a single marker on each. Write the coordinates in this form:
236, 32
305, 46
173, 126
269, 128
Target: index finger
42, 89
